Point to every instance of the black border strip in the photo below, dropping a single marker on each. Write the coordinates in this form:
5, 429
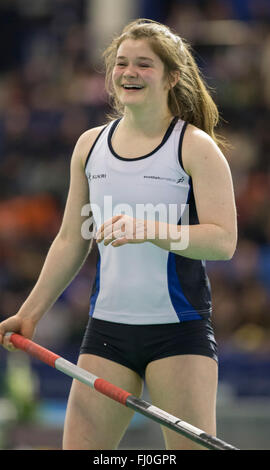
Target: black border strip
165, 138
180, 145
91, 149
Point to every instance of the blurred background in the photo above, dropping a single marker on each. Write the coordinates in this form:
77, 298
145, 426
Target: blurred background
51, 90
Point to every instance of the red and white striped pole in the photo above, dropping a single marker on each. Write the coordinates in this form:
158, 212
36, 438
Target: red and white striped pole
118, 394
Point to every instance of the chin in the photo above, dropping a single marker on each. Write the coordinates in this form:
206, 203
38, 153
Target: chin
132, 100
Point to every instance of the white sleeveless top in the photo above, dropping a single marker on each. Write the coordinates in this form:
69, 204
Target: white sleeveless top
142, 283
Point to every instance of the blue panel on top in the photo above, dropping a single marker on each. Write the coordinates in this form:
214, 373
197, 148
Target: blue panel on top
184, 310
96, 290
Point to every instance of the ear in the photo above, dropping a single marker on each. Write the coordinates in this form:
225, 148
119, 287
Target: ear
171, 79
174, 77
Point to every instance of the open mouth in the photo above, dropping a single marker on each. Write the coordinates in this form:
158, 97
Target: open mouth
132, 87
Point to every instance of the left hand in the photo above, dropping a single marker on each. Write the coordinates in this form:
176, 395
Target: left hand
122, 229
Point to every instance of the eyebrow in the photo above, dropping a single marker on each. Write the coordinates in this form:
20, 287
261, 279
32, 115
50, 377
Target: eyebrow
139, 58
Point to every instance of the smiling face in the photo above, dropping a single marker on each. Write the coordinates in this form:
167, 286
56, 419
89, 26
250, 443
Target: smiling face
138, 75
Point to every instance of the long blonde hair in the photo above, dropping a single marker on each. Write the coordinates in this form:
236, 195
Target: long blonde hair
190, 98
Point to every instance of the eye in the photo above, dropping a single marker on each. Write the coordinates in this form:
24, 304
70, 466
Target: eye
144, 65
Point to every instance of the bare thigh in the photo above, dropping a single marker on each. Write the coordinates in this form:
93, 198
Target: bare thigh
94, 421
185, 386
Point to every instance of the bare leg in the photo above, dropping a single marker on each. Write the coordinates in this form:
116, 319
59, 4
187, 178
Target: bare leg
186, 387
94, 421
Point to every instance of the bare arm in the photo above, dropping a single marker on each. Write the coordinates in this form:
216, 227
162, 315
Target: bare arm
67, 252
215, 237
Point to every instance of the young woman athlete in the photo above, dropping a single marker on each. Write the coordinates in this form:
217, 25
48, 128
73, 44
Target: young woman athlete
150, 315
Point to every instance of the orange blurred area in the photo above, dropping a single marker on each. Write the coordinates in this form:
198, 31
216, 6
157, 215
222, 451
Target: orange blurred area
24, 216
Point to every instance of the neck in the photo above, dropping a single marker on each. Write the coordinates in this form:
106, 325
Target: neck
147, 122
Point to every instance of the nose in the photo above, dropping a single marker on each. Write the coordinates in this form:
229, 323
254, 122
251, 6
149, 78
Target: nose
130, 71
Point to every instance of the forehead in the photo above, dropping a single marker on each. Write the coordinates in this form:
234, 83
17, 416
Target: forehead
133, 48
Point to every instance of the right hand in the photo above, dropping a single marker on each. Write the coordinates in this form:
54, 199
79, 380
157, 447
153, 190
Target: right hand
17, 324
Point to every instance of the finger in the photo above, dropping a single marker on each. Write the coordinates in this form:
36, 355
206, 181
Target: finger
10, 324
107, 223
120, 242
110, 231
117, 234
103, 229
7, 344
2, 333
9, 347
99, 233
107, 236
119, 230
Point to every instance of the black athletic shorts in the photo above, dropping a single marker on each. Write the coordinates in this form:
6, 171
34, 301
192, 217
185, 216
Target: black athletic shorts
134, 346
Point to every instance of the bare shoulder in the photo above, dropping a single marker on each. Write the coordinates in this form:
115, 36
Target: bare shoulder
199, 149
85, 142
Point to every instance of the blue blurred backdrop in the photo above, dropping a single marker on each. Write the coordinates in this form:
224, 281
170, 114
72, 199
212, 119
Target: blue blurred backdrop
51, 90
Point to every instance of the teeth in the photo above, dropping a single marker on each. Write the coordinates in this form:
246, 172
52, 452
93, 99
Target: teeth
132, 86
